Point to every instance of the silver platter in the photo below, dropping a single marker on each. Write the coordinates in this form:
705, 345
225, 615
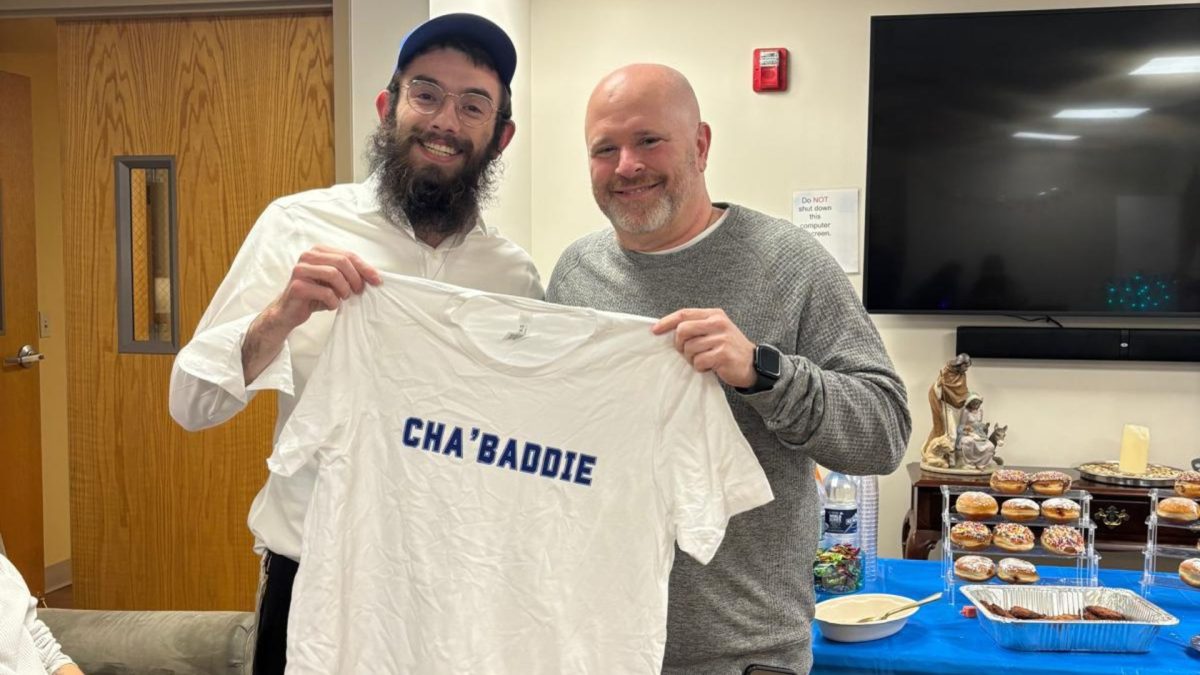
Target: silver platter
1128, 481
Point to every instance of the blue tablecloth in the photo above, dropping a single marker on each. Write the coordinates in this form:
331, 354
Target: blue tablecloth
937, 639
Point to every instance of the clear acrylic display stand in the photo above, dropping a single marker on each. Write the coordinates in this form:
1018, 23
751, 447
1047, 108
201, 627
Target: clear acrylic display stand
1153, 551
1083, 571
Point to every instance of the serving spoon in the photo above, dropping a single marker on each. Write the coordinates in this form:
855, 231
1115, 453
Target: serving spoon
901, 608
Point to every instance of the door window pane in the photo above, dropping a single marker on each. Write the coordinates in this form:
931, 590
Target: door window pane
146, 307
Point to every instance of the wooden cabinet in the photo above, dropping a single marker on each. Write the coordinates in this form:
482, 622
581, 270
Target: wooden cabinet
1119, 512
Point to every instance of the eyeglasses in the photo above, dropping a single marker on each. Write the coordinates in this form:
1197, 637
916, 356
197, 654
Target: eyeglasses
427, 98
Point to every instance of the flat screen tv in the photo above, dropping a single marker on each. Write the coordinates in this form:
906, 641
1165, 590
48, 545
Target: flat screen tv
1035, 163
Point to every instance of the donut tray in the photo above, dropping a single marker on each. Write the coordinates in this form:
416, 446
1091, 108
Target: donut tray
1177, 552
1036, 552
1083, 522
1135, 635
1167, 580
1078, 570
1174, 524
1037, 522
1151, 578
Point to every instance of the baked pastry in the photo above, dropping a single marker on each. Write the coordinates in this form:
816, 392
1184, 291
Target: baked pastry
971, 536
1019, 509
1060, 510
1050, 482
974, 568
976, 505
1013, 537
1189, 571
1062, 540
1178, 509
996, 609
1188, 484
1098, 613
1023, 614
1017, 571
1009, 481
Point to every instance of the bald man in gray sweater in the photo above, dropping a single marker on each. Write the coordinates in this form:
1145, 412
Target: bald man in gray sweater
761, 304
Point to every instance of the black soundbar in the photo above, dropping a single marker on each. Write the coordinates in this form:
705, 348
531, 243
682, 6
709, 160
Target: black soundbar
1120, 344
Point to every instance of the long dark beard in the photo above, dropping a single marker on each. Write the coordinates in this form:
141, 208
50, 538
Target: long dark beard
430, 200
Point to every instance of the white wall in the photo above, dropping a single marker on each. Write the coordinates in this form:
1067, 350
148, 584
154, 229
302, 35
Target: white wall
510, 210
814, 136
366, 42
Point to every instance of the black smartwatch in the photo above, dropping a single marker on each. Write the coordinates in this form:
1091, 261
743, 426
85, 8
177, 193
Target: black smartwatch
768, 364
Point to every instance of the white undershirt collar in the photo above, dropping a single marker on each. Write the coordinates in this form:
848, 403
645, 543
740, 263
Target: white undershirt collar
696, 239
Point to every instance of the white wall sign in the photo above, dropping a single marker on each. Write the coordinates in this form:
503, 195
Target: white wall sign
832, 217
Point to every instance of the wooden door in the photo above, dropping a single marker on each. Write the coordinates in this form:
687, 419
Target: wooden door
244, 107
20, 403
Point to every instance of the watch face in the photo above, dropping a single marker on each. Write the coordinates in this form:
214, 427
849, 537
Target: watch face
767, 361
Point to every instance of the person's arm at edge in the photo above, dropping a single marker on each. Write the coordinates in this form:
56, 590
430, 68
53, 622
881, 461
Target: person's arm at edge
840, 400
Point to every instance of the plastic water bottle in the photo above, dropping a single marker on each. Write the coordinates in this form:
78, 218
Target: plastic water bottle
821, 500
868, 523
841, 511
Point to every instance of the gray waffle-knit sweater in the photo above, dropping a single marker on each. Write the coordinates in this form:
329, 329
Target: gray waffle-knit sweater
839, 402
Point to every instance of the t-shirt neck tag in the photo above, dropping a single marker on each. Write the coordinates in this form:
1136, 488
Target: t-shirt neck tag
523, 321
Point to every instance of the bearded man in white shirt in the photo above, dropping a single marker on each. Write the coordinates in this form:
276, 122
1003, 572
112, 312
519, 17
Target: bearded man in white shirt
445, 117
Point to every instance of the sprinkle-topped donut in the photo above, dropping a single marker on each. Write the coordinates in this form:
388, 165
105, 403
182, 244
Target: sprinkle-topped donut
971, 529
1011, 474
1050, 482
1062, 540
1018, 534
1188, 484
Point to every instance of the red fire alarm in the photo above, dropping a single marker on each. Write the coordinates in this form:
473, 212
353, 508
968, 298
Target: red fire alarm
770, 69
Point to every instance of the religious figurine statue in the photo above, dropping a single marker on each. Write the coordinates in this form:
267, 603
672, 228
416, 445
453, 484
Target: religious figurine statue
960, 441
947, 395
976, 448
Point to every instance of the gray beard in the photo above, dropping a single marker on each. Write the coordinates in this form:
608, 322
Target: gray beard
645, 222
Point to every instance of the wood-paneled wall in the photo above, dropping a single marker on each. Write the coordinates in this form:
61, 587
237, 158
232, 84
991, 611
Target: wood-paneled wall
158, 515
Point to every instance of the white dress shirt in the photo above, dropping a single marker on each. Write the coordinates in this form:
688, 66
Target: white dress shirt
207, 382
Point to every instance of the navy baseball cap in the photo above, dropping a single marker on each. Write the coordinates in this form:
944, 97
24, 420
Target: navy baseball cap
473, 28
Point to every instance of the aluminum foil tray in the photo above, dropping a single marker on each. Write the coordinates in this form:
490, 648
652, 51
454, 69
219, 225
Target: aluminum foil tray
1135, 635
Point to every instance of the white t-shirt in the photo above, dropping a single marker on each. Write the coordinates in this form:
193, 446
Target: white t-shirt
500, 485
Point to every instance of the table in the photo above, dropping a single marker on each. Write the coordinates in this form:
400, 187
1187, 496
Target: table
938, 640
1119, 512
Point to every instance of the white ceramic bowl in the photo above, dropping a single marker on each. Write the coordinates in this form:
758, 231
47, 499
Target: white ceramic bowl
837, 617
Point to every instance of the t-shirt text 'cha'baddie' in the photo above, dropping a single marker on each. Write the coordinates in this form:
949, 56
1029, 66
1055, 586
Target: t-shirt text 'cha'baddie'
535, 459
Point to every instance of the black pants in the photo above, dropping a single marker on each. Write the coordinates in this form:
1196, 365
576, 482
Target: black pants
270, 650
